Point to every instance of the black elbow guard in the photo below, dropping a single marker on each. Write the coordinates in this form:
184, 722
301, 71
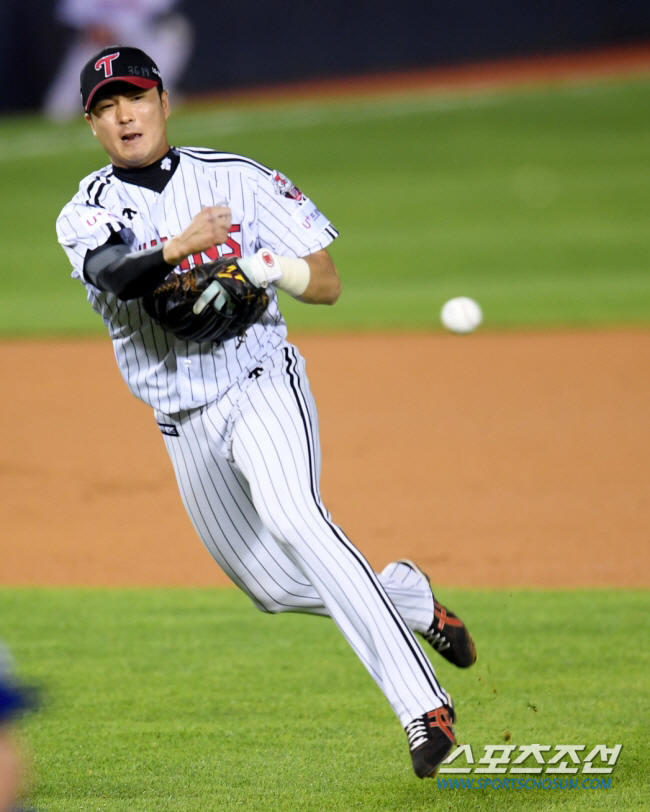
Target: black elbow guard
127, 274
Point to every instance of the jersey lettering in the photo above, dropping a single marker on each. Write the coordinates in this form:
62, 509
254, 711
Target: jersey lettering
210, 254
151, 244
235, 247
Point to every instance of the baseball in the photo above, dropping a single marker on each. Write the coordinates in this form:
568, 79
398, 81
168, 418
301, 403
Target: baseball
461, 315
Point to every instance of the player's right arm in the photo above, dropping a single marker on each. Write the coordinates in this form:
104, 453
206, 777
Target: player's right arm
208, 228
110, 263
129, 274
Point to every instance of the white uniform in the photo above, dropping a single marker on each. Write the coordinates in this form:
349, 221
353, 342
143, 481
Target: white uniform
239, 420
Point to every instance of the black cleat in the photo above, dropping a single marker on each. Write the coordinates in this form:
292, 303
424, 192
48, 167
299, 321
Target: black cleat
431, 739
447, 633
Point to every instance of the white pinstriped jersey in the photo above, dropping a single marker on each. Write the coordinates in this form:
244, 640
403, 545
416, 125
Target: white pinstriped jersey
248, 464
267, 211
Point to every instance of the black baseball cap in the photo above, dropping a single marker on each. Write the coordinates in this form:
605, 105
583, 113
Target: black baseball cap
117, 63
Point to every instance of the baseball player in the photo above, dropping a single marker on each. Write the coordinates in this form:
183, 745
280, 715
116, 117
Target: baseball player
237, 417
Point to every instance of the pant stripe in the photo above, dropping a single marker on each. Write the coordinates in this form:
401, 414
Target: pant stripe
323, 566
418, 654
259, 537
203, 523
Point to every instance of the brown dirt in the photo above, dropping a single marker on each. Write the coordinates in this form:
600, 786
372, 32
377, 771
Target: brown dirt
494, 459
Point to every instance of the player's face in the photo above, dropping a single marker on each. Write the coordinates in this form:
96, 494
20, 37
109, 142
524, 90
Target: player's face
132, 126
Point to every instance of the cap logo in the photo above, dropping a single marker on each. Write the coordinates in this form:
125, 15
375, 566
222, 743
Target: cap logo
106, 62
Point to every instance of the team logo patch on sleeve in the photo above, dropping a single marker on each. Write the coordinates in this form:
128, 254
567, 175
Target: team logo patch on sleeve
283, 186
310, 218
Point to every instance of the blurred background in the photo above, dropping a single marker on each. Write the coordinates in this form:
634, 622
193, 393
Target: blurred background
254, 42
498, 149
509, 142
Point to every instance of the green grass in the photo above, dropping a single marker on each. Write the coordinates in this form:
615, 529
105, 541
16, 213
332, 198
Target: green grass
532, 201
170, 699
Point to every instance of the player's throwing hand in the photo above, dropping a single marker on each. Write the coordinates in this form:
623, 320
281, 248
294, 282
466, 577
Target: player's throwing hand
209, 227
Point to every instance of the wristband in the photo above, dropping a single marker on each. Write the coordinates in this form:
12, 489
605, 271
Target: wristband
295, 275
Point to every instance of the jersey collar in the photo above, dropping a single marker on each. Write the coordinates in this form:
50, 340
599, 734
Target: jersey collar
155, 176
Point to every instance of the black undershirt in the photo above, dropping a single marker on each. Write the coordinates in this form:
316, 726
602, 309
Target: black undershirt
155, 176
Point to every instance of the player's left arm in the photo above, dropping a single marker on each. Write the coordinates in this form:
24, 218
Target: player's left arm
295, 237
324, 284
312, 279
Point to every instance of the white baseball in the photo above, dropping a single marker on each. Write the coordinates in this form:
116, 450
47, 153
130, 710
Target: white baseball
461, 315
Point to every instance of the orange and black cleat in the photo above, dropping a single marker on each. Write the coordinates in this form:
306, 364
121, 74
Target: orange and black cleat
431, 739
447, 633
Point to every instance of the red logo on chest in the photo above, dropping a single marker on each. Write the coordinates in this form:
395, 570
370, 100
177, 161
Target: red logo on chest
231, 248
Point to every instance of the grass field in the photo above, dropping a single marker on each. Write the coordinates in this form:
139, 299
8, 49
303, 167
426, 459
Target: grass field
192, 700
533, 201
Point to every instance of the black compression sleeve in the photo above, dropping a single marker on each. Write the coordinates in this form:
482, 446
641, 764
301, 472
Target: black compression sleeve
127, 274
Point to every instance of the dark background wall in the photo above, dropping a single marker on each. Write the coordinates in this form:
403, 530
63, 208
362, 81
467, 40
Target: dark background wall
251, 42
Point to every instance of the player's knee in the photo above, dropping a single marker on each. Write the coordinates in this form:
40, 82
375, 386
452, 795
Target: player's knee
278, 524
270, 605
296, 528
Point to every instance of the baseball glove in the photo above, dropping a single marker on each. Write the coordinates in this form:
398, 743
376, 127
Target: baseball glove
210, 302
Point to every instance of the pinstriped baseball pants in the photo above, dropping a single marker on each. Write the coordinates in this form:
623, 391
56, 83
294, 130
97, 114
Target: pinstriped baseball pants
248, 469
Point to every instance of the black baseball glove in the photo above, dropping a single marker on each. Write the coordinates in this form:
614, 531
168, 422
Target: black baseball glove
210, 302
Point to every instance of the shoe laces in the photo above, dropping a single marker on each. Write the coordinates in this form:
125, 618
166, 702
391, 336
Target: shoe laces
417, 732
436, 639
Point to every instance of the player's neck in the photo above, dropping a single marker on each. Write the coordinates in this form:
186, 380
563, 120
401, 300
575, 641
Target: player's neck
154, 176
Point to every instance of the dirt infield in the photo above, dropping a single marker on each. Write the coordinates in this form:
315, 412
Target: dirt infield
492, 459
496, 459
